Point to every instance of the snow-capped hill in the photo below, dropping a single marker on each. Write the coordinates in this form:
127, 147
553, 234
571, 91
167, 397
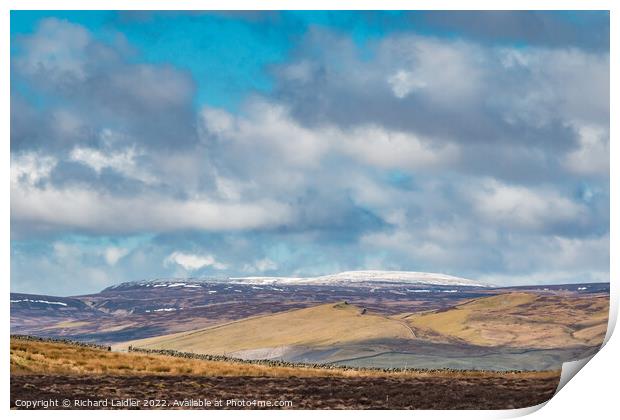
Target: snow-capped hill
157, 283
347, 278
367, 276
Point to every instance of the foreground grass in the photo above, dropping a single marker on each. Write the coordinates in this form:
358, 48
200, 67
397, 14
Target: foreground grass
29, 357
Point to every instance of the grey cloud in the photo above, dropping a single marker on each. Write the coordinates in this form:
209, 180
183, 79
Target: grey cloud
150, 105
589, 29
495, 98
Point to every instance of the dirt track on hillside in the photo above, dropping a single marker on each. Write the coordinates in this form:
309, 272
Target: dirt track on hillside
165, 392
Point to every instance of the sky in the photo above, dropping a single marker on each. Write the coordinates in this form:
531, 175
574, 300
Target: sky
215, 144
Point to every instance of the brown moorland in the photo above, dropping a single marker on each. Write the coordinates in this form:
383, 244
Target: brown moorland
51, 370
38, 357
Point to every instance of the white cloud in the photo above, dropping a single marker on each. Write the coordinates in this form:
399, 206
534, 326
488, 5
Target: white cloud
193, 262
592, 155
99, 212
113, 254
122, 161
35, 203
448, 72
391, 149
267, 132
98, 160
30, 168
403, 83
217, 121
521, 207
272, 136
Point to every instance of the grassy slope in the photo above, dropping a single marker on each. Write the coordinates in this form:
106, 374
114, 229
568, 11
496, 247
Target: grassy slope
318, 326
29, 357
518, 320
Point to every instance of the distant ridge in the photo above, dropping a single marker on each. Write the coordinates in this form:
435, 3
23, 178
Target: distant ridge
346, 278
163, 282
366, 276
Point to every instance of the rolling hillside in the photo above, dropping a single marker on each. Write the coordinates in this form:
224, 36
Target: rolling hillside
517, 330
517, 320
316, 327
137, 310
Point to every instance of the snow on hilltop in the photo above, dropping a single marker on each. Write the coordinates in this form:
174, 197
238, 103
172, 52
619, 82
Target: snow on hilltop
350, 277
347, 278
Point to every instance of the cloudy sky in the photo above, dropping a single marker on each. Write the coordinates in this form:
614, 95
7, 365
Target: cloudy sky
220, 144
